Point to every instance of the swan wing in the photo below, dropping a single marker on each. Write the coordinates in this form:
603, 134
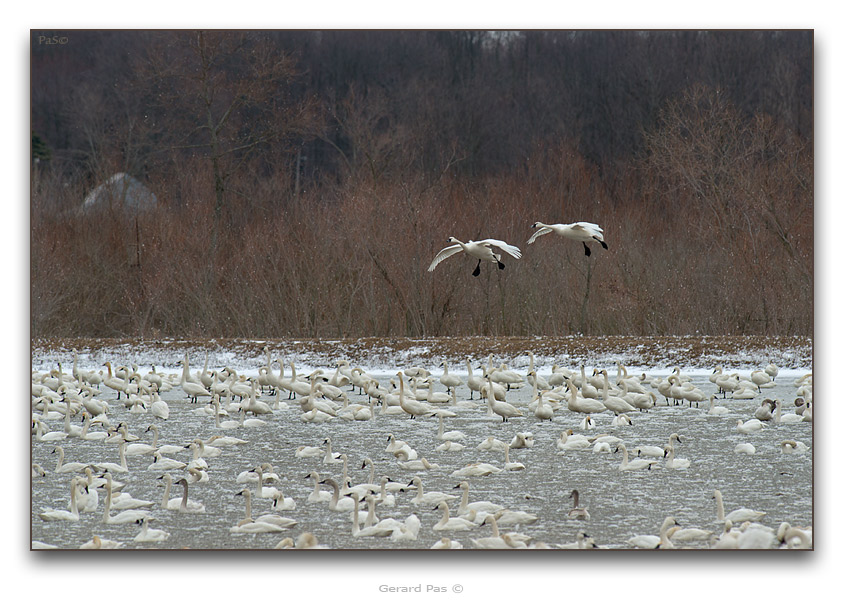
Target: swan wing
586, 226
444, 254
540, 231
508, 248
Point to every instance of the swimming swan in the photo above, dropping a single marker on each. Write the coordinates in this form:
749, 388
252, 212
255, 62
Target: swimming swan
64, 515
577, 512
637, 464
150, 535
482, 250
738, 515
447, 523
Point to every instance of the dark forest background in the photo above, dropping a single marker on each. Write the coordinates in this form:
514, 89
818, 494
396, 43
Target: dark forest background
305, 180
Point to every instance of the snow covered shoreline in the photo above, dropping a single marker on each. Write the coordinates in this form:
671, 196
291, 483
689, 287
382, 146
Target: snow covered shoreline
386, 355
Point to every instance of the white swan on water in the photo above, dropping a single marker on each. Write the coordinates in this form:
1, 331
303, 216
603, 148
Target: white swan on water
64, 515
581, 231
737, 516
448, 523
482, 250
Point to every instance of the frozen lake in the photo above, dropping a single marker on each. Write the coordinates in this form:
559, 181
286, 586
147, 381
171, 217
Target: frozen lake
621, 504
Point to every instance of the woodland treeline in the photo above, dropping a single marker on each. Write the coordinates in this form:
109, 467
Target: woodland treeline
305, 180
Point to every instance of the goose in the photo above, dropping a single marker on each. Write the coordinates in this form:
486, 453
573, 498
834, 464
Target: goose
637, 464
126, 516
650, 542
744, 448
793, 447
675, 463
482, 250
577, 512
750, 426
64, 515
479, 505
150, 535
427, 498
738, 515
581, 231
447, 523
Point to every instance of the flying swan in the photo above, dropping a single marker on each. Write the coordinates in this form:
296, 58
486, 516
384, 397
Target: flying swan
580, 231
482, 250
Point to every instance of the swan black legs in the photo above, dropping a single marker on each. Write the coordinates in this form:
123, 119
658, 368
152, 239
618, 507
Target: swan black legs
586, 248
477, 270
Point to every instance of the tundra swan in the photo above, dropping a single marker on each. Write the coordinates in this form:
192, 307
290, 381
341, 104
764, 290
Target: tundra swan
502, 408
269, 518
126, 516
442, 435
317, 495
64, 515
490, 443
744, 448
447, 523
165, 448
786, 418
449, 380
494, 541
716, 410
150, 535
114, 467
412, 407
511, 466
336, 503
482, 250
691, 534
447, 544
542, 411
124, 500
577, 512
637, 464
738, 515
192, 388
580, 231
262, 491
98, 543
305, 541
427, 498
675, 463
476, 470
578, 403
479, 505
87, 499
583, 541
750, 426
414, 465
654, 541
162, 463
569, 440
793, 447
63, 467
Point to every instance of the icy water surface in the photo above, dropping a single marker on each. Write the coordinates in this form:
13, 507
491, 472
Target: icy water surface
621, 504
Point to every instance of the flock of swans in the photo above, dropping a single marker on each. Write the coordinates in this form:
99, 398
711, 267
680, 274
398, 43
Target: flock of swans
537, 459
